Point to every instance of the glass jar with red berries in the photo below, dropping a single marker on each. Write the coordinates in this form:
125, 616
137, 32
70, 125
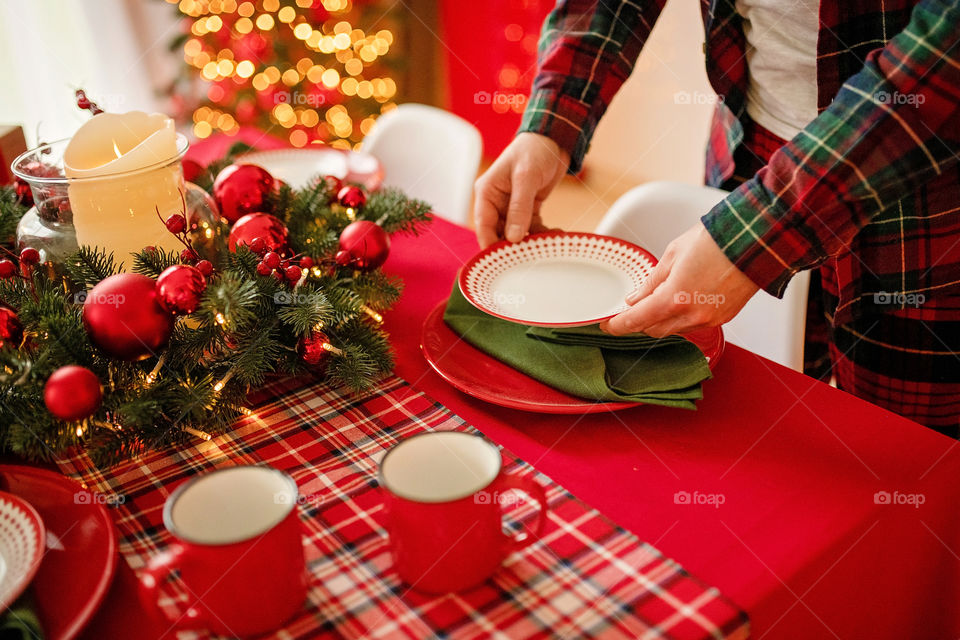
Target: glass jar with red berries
48, 225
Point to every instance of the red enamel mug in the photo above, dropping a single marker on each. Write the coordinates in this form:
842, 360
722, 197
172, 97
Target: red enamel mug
444, 493
238, 549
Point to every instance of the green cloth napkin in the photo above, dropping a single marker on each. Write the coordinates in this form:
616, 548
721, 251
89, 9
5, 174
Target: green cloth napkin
20, 621
586, 362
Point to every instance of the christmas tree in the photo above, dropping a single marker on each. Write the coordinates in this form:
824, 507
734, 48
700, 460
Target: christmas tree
302, 68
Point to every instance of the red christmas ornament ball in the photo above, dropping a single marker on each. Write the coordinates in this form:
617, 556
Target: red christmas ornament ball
8, 269
123, 317
179, 289
241, 189
72, 393
192, 170
367, 244
312, 352
352, 197
11, 329
259, 225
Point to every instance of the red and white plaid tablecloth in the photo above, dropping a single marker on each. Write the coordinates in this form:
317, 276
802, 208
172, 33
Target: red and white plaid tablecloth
586, 577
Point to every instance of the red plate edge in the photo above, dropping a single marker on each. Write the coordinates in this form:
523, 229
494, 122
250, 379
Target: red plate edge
95, 597
462, 275
557, 402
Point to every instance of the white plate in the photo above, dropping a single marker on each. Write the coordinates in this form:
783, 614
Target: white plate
555, 279
21, 546
298, 167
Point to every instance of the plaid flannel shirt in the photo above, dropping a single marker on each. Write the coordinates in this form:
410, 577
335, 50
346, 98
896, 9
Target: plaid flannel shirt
869, 190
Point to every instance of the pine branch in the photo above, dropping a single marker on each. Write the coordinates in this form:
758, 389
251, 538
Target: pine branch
303, 309
90, 265
378, 290
11, 210
152, 263
394, 211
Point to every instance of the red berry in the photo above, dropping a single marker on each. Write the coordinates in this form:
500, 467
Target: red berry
272, 259
293, 273
278, 276
150, 248
263, 269
205, 267
7, 269
258, 245
176, 223
334, 184
24, 192
306, 262
188, 255
30, 256
342, 258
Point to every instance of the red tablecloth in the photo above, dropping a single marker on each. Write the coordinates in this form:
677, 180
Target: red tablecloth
818, 534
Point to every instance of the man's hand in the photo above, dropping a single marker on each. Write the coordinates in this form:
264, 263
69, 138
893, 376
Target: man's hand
509, 194
694, 286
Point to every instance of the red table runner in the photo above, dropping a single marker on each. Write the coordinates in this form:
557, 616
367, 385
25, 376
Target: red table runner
585, 577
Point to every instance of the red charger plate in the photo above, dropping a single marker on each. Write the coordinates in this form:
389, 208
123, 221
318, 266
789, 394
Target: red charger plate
81, 555
481, 376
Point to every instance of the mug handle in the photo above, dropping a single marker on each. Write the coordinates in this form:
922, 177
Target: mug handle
535, 490
158, 569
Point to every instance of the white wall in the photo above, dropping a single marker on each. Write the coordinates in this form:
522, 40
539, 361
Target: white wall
646, 134
115, 49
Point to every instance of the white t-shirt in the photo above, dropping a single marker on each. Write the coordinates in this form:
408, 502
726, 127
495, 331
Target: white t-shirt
782, 60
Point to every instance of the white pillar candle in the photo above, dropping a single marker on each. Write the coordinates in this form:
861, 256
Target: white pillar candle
122, 168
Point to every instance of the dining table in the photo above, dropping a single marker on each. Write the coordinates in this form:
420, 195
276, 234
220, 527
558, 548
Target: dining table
814, 513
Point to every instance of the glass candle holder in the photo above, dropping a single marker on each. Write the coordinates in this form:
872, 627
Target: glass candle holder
120, 212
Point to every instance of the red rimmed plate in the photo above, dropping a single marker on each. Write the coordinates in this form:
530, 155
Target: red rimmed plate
81, 554
555, 279
22, 542
476, 374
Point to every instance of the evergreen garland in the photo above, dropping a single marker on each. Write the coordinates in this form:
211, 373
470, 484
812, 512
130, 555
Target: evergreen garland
246, 329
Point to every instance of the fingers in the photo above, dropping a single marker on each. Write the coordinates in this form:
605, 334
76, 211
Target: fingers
486, 218
651, 310
649, 284
520, 210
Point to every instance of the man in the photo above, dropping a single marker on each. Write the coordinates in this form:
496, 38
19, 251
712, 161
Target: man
838, 133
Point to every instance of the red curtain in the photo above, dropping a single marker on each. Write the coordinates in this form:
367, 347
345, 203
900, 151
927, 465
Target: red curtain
490, 50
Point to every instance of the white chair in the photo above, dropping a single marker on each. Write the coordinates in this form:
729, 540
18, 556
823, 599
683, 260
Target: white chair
653, 214
431, 154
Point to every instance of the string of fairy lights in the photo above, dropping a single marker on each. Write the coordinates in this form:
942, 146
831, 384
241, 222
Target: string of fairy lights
314, 91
